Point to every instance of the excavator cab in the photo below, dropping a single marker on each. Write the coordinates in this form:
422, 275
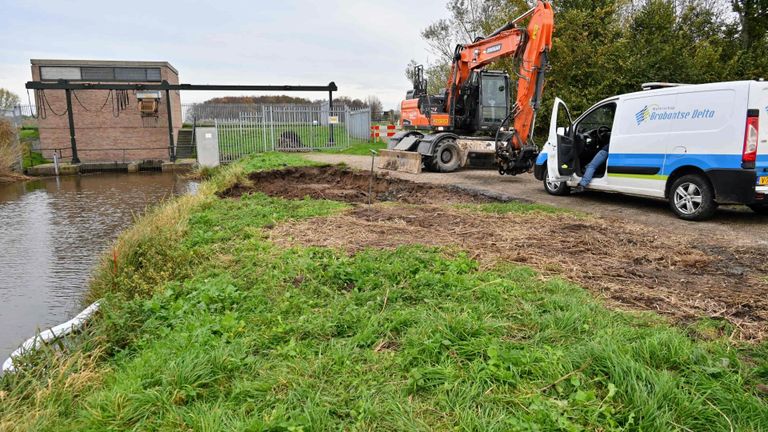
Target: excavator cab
483, 102
494, 100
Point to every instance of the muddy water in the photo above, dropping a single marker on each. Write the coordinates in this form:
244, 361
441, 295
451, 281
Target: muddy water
52, 233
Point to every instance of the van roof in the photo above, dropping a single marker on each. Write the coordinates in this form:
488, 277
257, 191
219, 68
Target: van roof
676, 88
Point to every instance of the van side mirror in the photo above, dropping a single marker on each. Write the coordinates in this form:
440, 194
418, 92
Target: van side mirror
561, 131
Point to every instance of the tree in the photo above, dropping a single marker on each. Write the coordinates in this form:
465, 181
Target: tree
8, 99
374, 103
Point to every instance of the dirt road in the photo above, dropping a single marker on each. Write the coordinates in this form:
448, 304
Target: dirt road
734, 225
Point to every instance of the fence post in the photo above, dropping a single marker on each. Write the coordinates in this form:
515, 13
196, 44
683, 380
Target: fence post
272, 126
346, 122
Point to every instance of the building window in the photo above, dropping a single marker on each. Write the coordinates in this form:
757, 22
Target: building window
97, 74
100, 74
57, 73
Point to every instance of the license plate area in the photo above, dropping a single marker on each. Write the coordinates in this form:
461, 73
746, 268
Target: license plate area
762, 181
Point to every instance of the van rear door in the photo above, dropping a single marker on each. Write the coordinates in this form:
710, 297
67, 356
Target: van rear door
762, 141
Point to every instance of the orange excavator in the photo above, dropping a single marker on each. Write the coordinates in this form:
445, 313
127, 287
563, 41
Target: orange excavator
473, 118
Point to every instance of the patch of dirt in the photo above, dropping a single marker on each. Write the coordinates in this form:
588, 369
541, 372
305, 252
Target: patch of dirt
631, 266
343, 184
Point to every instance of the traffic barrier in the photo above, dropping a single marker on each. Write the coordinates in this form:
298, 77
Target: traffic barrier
377, 132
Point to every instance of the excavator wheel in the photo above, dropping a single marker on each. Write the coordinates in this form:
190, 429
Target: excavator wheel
447, 157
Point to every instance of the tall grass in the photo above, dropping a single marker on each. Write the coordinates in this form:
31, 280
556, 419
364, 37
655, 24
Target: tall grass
207, 325
10, 152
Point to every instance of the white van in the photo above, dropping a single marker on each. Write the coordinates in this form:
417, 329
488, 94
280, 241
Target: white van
696, 145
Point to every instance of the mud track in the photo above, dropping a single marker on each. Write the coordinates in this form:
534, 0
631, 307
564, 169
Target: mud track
632, 266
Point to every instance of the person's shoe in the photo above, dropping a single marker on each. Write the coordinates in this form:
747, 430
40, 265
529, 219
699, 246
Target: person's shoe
578, 189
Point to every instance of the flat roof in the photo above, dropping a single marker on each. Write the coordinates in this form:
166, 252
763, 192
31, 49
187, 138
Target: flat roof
102, 63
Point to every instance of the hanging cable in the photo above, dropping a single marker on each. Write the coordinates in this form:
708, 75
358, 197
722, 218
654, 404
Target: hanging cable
106, 100
48, 104
74, 93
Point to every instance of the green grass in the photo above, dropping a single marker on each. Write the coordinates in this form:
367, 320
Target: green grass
26, 134
237, 141
207, 325
30, 158
360, 148
519, 208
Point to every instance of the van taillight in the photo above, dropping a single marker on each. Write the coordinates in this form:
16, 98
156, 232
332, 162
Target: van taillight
750, 137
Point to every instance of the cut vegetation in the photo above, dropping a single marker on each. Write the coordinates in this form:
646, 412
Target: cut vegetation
278, 301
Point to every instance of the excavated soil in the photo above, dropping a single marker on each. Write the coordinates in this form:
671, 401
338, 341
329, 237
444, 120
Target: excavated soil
342, 184
631, 266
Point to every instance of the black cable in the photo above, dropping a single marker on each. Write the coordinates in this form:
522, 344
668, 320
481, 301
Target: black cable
106, 100
74, 93
48, 104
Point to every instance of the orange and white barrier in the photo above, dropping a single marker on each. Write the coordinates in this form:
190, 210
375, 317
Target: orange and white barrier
377, 132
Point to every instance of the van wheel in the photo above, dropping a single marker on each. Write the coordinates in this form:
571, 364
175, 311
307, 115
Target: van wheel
761, 209
555, 187
691, 198
447, 156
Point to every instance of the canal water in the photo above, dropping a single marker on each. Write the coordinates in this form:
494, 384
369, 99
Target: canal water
53, 232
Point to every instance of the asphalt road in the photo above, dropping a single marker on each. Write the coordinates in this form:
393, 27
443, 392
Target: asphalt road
733, 224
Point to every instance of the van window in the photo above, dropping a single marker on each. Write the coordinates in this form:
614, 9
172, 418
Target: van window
601, 116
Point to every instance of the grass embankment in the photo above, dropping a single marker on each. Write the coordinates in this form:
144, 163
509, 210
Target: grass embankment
206, 325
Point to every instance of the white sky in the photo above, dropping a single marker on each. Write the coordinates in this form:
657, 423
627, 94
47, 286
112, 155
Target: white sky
363, 46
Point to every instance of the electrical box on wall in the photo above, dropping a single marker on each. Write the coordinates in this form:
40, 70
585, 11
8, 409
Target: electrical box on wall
149, 102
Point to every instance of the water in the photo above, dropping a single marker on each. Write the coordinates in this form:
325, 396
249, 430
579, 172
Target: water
52, 234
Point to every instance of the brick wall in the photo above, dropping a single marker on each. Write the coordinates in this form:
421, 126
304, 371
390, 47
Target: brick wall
100, 133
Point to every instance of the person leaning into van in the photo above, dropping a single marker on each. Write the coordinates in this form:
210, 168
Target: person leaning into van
592, 166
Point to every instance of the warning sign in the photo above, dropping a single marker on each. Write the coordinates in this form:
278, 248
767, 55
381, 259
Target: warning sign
333, 119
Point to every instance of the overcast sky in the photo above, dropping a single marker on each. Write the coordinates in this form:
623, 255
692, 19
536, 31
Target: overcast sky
363, 46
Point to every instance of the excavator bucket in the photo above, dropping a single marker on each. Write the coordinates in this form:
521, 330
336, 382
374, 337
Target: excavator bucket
399, 160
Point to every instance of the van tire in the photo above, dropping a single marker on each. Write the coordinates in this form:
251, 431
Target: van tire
447, 157
761, 209
561, 188
692, 198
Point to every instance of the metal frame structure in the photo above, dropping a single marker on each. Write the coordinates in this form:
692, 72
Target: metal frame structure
165, 86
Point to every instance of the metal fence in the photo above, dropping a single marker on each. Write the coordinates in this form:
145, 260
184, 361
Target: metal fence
247, 129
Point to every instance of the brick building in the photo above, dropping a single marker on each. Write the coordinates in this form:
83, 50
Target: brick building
109, 126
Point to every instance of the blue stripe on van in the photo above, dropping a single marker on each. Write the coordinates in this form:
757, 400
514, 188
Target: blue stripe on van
657, 160
668, 163
646, 160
